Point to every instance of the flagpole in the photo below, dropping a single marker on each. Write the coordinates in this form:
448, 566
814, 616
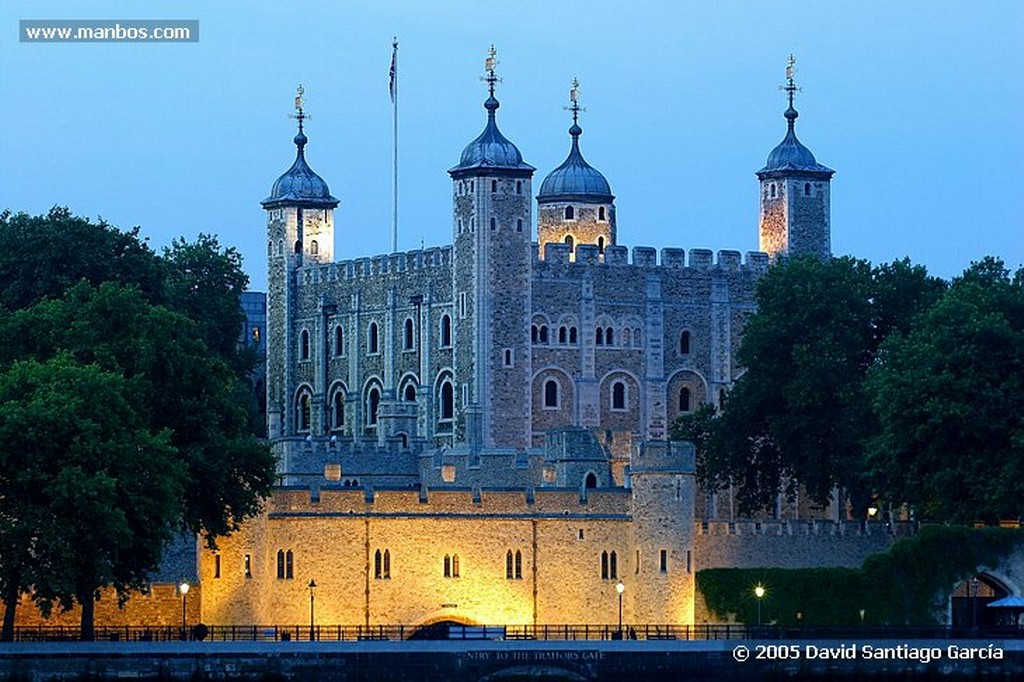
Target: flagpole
394, 186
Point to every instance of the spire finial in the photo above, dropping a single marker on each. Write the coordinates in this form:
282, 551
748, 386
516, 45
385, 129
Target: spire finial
300, 102
489, 76
575, 108
790, 87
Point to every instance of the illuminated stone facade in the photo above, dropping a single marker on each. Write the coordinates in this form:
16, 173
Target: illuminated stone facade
476, 432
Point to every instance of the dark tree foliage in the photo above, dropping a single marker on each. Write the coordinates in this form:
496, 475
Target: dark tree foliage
90, 489
44, 256
949, 395
167, 328
799, 415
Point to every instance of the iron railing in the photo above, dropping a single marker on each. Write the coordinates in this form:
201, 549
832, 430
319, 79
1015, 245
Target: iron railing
450, 631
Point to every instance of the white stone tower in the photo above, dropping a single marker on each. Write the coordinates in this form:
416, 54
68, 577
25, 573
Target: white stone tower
575, 204
300, 229
795, 191
492, 260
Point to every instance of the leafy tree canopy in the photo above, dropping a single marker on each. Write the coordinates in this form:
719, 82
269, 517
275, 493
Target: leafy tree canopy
949, 396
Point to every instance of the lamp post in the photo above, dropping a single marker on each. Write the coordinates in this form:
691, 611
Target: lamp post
975, 586
620, 588
183, 588
759, 593
312, 586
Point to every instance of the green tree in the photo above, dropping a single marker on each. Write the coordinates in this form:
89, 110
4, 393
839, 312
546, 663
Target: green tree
44, 256
87, 486
799, 414
949, 395
178, 383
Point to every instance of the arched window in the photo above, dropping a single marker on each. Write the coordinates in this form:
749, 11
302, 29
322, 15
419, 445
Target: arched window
298, 246
339, 341
280, 564
563, 335
519, 186
772, 190
569, 213
600, 213
572, 334
508, 357
625, 337
684, 399
339, 409
270, 248
600, 244
304, 345
684, 343
533, 333
314, 247
609, 337
569, 242
303, 409
446, 331
519, 565
289, 565
378, 571
599, 336
407, 337
387, 564
519, 225
372, 403
590, 481
494, 223
455, 565
372, 339
508, 565
410, 394
543, 332
550, 393
447, 400
604, 565
280, 247
807, 189
638, 338
618, 396
494, 185
613, 568
447, 566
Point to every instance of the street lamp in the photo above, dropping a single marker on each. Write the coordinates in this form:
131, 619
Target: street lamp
759, 593
975, 585
183, 588
620, 588
312, 586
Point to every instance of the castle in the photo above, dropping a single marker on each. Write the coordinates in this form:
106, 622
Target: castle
476, 433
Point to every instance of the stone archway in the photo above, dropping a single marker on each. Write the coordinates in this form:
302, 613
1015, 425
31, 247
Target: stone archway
969, 600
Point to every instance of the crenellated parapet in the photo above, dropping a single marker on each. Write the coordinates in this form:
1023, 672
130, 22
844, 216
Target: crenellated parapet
558, 254
387, 265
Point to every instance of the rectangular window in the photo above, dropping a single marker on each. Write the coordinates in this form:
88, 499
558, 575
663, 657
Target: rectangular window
465, 395
248, 565
664, 561
636, 567
462, 304
689, 561
216, 565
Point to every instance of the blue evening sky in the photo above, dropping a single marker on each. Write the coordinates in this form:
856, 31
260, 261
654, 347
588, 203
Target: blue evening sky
918, 106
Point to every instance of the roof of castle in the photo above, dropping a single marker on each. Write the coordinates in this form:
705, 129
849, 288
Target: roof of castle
300, 186
575, 179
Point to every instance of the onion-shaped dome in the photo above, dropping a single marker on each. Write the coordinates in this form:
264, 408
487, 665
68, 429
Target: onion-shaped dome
299, 185
792, 156
491, 151
575, 179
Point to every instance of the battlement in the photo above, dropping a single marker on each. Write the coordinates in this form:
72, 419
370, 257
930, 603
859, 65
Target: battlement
647, 257
550, 502
433, 258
